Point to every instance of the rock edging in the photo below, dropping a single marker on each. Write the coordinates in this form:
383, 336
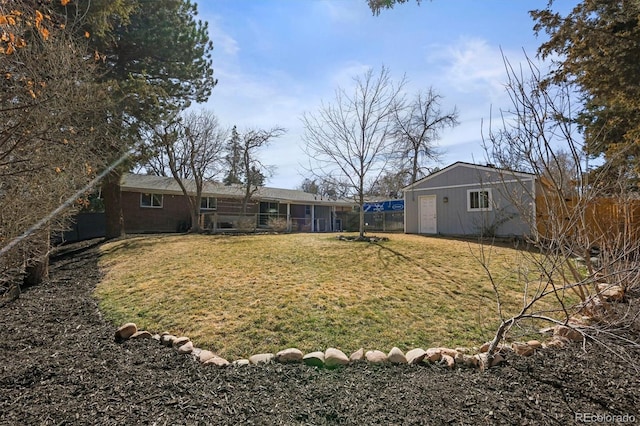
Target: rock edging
335, 358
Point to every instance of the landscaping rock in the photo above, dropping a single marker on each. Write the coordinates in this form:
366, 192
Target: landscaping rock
141, 334
470, 360
395, 356
205, 355
433, 354
217, 361
504, 350
483, 360
448, 360
582, 320
261, 358
357, 355
241, 362
376, 357
335, 358
125, 331
567, 332
446, 351
611, 292
156, 337
167, 339
416, 356
187, 348
289, 355
522, 349
535, 344
556, 342
179, 341
314, 359
484, 347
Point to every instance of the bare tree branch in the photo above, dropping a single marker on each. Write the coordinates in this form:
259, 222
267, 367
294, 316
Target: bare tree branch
349, 141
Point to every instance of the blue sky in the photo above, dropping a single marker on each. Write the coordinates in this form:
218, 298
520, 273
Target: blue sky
276, 59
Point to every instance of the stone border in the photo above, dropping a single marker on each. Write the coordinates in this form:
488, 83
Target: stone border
333, 358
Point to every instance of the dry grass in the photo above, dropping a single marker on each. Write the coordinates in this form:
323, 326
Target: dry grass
239, 295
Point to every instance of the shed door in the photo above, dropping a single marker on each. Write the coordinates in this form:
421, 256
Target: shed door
428, 215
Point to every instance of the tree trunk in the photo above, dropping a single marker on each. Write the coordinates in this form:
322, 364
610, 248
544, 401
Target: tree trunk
37, 270
195, 220
361, 213
113, 205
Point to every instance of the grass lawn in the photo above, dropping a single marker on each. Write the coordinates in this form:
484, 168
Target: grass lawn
240, 295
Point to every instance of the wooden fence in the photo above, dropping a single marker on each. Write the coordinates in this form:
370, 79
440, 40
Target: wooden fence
600, 222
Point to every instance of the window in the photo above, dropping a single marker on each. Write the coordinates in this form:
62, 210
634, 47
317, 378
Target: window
151, 200
479, 200
208, 203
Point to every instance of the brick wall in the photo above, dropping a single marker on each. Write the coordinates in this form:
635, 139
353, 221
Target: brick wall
172, 217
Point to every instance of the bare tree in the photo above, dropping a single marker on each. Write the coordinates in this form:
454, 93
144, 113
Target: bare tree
417, 129
245, 166
569, 229
560, 168
331, 190
191, 147
350, 139
390, 184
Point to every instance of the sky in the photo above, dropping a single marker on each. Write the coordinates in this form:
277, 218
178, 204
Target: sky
277, 59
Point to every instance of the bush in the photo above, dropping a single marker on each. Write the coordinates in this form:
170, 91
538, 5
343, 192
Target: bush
247, 224
278, 224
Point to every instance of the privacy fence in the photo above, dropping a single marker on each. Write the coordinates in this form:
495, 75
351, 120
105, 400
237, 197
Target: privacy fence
595, 222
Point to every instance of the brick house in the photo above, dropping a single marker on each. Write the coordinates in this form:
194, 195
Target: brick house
157, 204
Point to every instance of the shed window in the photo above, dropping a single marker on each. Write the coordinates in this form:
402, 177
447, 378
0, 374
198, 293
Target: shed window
479, 200
208, 203
151, 200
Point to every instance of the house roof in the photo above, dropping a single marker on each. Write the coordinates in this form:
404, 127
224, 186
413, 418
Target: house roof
168, 185
488, 168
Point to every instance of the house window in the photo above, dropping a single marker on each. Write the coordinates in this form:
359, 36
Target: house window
151, 200
208, 203
479, 200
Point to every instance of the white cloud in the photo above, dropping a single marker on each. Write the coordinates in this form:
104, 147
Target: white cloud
339, 12
223, 43
472, 66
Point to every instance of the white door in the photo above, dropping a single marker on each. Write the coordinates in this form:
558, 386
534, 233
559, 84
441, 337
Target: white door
428, 215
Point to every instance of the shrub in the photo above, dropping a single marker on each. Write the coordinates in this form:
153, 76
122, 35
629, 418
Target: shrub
278, 224
246, 224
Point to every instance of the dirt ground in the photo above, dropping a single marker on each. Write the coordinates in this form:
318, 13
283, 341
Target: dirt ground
60, 365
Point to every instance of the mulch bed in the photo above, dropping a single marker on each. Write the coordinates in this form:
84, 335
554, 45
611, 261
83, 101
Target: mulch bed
59, 365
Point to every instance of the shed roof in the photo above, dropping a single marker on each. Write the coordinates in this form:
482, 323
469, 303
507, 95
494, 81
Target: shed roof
487, 168
168, 185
